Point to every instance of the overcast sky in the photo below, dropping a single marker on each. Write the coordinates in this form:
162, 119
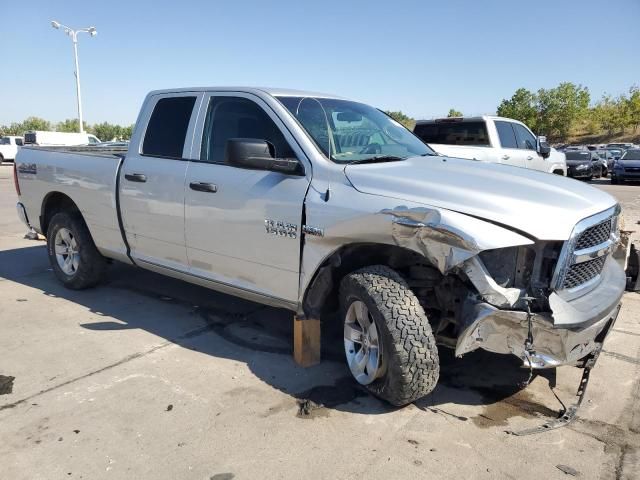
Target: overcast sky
422, 57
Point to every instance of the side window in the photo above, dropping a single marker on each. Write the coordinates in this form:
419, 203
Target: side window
506, 134
19, 142
236, 117
167, 127
525, 139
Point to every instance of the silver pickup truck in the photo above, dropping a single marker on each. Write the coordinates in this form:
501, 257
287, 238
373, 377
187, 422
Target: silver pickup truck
320, 205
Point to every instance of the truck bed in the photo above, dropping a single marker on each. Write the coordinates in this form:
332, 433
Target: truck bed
88, 175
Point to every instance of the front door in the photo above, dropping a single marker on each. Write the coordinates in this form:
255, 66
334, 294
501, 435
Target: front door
152, 182
243, 226
527, 143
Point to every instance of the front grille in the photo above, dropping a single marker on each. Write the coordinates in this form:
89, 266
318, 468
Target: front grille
580, 273
577, 267
595, 235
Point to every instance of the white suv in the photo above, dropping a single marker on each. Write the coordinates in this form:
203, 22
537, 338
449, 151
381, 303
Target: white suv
9, 146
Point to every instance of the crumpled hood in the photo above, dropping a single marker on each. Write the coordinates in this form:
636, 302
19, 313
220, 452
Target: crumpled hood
544, 205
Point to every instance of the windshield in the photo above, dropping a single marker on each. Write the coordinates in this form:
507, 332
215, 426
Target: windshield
5, 141
631, 155
348, 131
578, 155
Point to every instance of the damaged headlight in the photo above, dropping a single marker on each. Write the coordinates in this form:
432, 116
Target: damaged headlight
528, 267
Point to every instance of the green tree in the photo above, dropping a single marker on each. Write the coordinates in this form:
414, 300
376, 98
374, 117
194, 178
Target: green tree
560, 108
34, 123
70, 125
402, 118
521, 106
106, 131
634, 107
454, 113
127, 132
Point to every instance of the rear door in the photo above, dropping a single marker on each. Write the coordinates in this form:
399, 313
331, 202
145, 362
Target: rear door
509, 153
243, 226
152, 181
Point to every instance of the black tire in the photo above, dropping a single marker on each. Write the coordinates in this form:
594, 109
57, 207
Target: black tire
91, 266
1, 158
409, 367
614, 181
605, 173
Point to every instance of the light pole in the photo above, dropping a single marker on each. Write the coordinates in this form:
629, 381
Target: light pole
74, 37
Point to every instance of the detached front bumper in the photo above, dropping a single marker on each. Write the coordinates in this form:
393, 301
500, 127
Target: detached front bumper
586, 321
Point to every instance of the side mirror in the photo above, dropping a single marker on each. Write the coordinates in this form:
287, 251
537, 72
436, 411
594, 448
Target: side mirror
255, 154
543, 147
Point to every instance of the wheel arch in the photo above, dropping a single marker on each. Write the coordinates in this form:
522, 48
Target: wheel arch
55, 202
321, 292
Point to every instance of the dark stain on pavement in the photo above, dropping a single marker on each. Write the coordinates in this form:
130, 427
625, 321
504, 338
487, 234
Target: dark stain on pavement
222, 476
520, 404
314, 402
6, 384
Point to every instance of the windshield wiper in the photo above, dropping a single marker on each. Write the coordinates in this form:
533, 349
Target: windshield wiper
378, 159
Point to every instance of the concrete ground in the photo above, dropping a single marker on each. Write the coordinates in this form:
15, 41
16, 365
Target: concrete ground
147, 377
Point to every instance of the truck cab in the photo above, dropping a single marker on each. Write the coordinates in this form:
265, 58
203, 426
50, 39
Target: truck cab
491, 139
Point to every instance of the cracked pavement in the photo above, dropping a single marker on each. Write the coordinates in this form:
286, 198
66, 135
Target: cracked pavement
149, 377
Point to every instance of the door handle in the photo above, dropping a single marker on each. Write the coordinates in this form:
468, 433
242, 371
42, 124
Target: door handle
135, 177
203, 187
529, 157
505, 157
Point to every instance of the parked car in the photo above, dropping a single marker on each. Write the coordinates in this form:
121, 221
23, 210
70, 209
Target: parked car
9, 146
583, 164
623, 146
607, 157
491, 139
318, 204
627, 168
45, 138
616, 153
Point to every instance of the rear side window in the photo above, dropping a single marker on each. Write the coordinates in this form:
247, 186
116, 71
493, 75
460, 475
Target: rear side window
237, 117
454, 133
29, 138
167, 127
506, 134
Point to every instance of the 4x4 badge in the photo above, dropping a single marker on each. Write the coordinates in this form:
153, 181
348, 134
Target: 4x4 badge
309, 230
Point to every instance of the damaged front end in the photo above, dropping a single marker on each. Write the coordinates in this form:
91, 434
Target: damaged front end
550, 303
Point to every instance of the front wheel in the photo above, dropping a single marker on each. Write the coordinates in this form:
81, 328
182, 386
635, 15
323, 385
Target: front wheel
388, 341
73, 256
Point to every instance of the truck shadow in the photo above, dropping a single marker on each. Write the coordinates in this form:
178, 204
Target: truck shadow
261, 337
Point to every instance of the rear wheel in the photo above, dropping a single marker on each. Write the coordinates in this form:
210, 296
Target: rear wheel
73, 255
388, 341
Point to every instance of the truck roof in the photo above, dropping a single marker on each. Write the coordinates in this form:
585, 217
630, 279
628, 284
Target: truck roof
275, 92
466, 119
